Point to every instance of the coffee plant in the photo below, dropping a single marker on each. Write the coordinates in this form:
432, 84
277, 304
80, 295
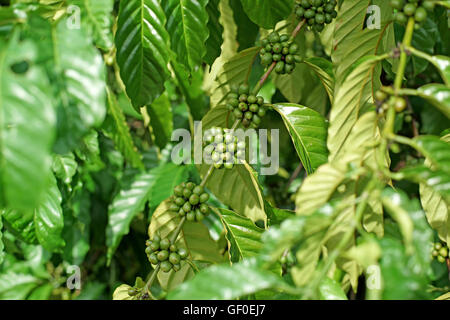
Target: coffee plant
102, 197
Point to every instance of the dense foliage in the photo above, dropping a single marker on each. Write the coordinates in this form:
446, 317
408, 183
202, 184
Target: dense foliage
98, 201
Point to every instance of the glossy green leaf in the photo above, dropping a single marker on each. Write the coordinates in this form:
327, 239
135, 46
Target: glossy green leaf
64, 167
438, 95
308, 131
120, 133
247, 31
49, 219
2, 246
329, 289
143, 49
96, 17
16, 286
442, 63
187, 25
435, 150
266, 13
27, 126
243, 236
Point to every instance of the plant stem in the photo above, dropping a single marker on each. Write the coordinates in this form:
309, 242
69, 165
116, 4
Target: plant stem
177, 231
297, 29
403, 56
150, 282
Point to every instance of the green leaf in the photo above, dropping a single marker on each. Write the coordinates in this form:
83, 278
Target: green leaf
16, 286
2, 246
215, 39
125, 206
317, 189
247, 31
438, 95
96, 17
121, 135
161, 121
438, 180
324, 70
238, 188
224, 283
308, 131
42, 292
234, 72
266, 13
406, 271
27, 126
436, 208
64, 167
187, 25
194, 237
154, 186
352, 40
349, 100
143, 49
243, 236
329, 289
77, 71
442, 63
49, 219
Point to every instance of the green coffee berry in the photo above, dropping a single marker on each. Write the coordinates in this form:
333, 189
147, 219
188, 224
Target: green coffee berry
163, 255
164, 244
198, 190
194, 199
166, 266
190, 216
187, 207
183, 253
153, 258
174, 258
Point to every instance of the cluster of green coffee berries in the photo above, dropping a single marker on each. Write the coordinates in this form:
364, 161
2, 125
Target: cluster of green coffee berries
439, 252
188, 200
317, 13
280, 49
166, 254
383, 102
412, 8
246, 106
223, 147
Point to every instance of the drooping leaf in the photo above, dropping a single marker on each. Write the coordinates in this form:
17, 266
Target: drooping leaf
247, 31
267, 13
27, 126
308, 130
96, 17
143, 49
187, 25
120, 133
244, 237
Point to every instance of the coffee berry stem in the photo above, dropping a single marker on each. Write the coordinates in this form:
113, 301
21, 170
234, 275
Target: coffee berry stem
297, 29
149, 283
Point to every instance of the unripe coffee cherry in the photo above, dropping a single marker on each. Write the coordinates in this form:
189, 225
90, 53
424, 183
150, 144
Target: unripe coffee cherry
166, 266
163, 255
